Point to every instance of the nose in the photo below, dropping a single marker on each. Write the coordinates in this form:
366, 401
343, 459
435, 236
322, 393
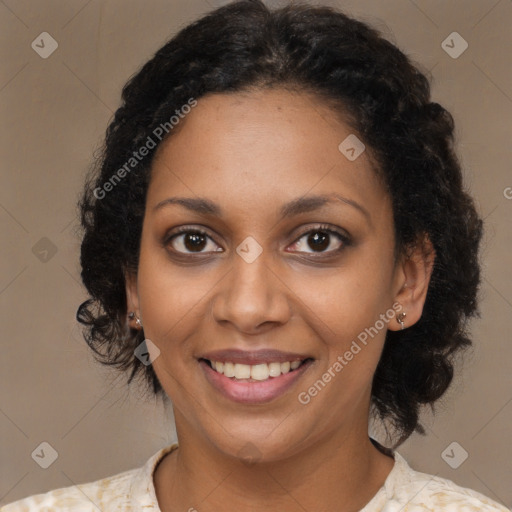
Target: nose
251, 298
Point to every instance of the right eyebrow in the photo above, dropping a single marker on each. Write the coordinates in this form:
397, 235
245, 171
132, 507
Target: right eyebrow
198, 205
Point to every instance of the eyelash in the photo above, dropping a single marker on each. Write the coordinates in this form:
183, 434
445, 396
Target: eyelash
323, 228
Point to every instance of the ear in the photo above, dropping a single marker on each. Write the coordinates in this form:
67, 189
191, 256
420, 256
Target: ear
132, 298
412, 278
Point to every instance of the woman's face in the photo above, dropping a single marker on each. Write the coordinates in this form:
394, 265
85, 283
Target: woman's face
296, 261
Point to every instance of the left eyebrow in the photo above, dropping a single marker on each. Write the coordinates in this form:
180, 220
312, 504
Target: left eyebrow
310, 203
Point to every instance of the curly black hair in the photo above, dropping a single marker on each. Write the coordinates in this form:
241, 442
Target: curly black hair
245, 46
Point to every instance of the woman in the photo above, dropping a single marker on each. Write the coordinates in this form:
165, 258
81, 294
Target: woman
278, 240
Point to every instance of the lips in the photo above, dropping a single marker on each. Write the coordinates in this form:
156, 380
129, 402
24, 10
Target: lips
247, 387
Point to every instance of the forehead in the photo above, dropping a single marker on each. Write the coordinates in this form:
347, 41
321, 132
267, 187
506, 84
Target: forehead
262, 147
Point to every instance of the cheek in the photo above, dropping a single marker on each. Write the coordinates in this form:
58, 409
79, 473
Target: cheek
171, 311
345, 301
170, 301
344, 310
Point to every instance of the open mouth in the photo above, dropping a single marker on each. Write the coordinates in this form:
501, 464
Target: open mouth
257, 372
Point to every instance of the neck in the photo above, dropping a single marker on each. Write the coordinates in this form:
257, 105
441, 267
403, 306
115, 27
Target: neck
342, 474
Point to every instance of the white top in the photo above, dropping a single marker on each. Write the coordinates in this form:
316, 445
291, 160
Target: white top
404, 490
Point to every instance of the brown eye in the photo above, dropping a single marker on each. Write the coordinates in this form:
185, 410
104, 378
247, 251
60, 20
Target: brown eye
321, 240
193, 241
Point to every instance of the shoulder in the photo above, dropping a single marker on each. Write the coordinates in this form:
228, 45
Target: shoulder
106, 494
128, 491
417, 491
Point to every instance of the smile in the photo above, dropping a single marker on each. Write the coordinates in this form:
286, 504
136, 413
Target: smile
253, 384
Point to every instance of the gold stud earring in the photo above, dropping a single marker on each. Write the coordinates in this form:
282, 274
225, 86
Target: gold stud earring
132, 315
400, 319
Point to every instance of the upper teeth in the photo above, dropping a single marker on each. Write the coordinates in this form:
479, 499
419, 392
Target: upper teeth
257, 371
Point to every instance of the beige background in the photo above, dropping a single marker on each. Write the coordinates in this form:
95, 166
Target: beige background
54, 112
